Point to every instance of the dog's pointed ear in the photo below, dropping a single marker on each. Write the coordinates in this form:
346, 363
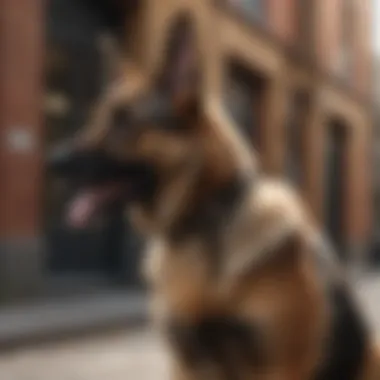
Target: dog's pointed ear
180, 76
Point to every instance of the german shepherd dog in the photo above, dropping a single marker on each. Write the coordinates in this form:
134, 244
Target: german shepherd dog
243, 285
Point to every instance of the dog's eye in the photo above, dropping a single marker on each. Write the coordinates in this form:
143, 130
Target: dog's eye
151, 108
155, 109
121, 118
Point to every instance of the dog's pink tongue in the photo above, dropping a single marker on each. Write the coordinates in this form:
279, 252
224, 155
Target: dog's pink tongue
81, 209
87, 203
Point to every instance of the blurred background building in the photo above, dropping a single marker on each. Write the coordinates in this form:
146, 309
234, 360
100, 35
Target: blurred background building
294, 74
375, 247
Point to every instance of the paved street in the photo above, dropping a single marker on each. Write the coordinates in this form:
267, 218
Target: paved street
132, 355
135, 355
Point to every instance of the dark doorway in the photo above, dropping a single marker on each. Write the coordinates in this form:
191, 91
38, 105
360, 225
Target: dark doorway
336, 154
243, 99
79, 34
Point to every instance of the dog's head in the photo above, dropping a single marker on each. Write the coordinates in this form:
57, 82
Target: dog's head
143, 145
148, 146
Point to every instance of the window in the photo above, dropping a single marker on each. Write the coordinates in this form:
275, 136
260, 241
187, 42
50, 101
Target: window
254, 10
243, 100
335, 170
296, 123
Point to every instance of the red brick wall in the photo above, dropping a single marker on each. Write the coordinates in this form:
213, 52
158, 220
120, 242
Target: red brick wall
363, 46
21, 47
282, 19
328, 24
363, 83
329, 36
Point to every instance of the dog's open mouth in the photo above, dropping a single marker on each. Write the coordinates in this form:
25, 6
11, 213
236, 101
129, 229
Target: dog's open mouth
100, 181
89, 203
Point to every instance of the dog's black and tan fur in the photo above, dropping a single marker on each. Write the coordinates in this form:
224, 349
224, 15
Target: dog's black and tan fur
241, 281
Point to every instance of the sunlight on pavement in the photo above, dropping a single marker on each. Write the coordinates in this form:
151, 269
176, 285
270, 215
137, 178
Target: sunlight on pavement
123, 355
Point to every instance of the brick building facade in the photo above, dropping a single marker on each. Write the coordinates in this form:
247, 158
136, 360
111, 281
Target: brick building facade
306, 108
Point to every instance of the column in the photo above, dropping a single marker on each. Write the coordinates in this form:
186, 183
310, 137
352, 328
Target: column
21, 90
313, 174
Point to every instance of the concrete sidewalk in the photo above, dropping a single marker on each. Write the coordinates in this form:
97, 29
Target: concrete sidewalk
135, 354
66, 317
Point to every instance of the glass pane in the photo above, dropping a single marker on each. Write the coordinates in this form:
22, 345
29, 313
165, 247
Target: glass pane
251, 8
243, 100
335, 148
295, 125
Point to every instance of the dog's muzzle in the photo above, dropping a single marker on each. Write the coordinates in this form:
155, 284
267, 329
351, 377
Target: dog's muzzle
99, 179
91, 166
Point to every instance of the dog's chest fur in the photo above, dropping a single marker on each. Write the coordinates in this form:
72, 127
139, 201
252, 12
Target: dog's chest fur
179, 277
183, 275
235, 337
204, 335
